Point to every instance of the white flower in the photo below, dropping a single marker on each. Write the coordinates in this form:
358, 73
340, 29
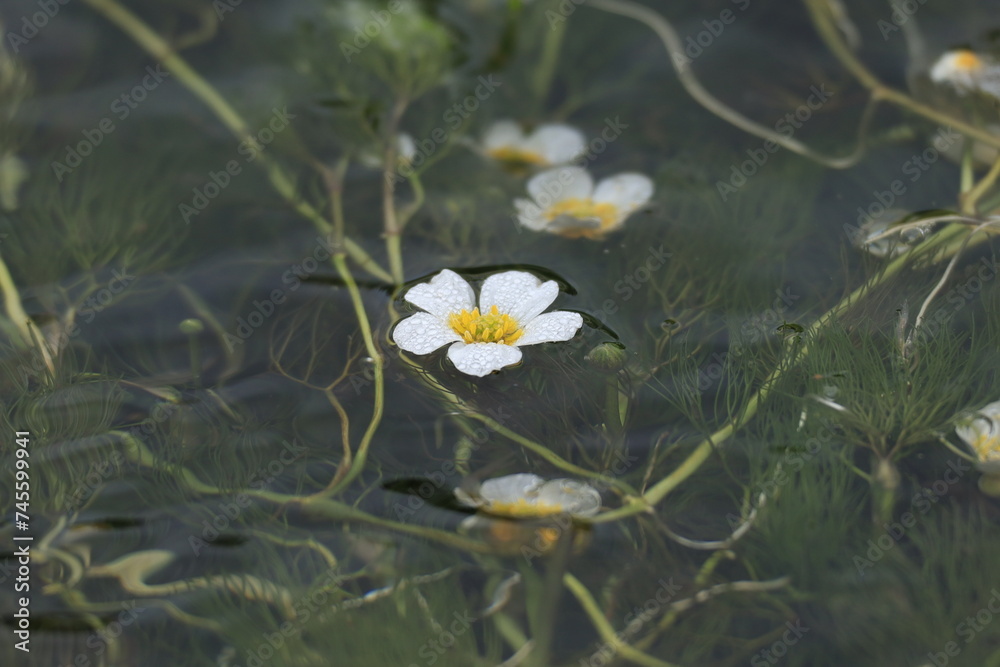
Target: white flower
548, 145
566, 202
487, 338
13, 173
982, 434
529, 496
967, 71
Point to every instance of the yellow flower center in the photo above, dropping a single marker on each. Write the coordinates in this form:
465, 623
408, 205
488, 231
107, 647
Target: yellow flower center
584, 209
490, 327
517, 156
987, 447
967, 60
521, 508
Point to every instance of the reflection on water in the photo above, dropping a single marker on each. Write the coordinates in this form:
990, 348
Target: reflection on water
477, 333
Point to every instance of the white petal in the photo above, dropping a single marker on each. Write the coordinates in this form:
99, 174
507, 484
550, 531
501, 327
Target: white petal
406, 146
481, 359
503, 134
421, 333
445, 294
510, 488
558, 144
530, 215
559, 184
518, 294
626, 191
551, 327
575, 497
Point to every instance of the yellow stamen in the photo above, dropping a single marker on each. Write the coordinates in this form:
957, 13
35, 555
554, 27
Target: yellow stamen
491, 327
517, 156
967, 60
522, 508
987, 447
584, 209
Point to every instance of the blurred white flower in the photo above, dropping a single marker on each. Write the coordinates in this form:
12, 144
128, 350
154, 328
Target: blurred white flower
982, 435
565, 201
967, 71
549, 145
489, 337
524, 495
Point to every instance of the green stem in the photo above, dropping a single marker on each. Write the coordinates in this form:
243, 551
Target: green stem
547, 65
943, 240
819, 10
157, 47
604, 628
379, 380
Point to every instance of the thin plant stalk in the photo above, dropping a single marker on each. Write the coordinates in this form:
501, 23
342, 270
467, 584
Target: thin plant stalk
157, 47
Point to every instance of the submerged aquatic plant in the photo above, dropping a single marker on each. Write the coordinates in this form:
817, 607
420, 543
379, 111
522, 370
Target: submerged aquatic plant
487, 337
565, 201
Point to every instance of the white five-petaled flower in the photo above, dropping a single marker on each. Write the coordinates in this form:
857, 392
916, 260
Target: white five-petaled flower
488, 337
967, 71
529, 496
550, 144
567, 202
982, 434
